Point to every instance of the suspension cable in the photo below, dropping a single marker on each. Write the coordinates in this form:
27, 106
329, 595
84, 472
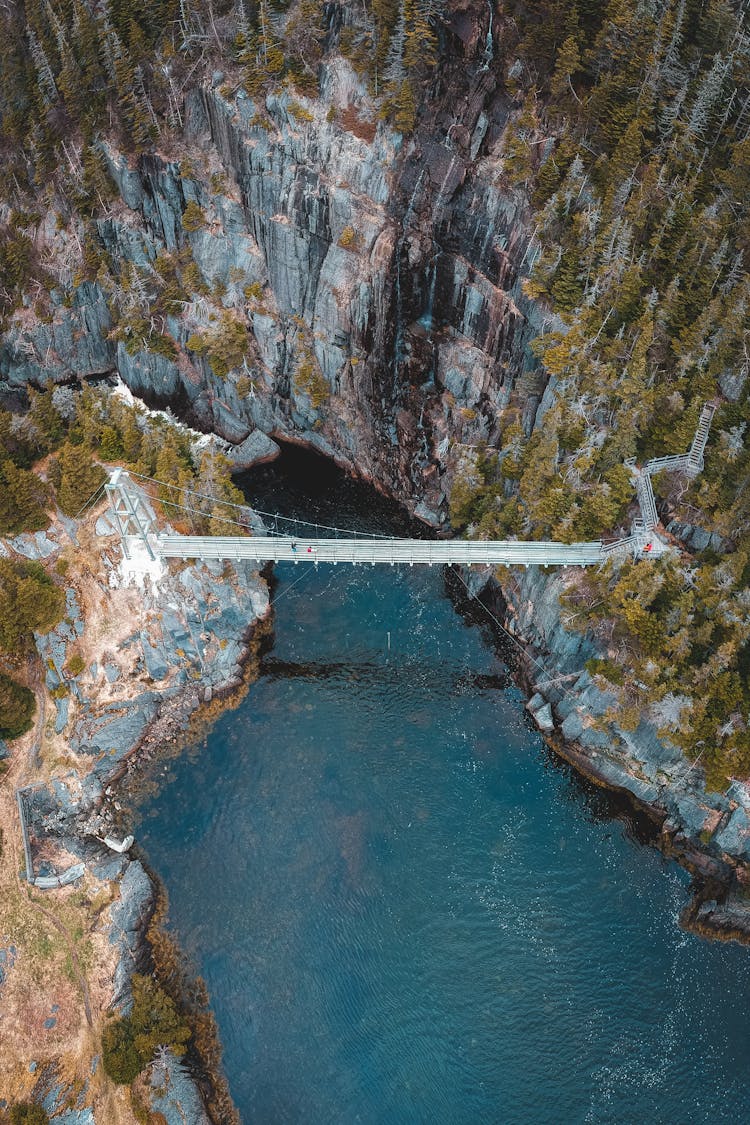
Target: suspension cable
203, 515
265, 515
91, 501
522, 648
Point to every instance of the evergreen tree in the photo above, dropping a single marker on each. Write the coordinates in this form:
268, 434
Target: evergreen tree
30, 600
17, 706
567, 63
22, 500
79, 478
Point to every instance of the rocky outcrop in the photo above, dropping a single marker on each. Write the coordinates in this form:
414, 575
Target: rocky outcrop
174, 1094
709, 832
130, 917
387, 322
379, 280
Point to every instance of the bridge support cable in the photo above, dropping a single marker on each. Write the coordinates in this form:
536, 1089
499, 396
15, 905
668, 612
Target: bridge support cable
244, 510
134, 516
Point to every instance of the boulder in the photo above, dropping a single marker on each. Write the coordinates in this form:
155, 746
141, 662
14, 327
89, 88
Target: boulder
257, 449
543, 719
734, 837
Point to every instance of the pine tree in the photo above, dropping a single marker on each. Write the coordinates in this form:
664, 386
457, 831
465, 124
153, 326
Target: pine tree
30, 600
79, 478
567, 63
567, 287
17, 706
22, 500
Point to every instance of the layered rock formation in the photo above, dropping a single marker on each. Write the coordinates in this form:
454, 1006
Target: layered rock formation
388, 323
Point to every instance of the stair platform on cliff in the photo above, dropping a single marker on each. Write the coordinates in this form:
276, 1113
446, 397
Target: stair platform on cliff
646, 499
692, 461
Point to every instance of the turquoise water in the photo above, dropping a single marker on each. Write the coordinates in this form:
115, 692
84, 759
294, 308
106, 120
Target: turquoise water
406, 911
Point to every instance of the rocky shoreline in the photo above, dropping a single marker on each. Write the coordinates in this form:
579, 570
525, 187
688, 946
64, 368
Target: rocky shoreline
707, 832
119, 727
159, 651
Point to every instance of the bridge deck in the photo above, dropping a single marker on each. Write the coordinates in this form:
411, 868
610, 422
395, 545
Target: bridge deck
277, 549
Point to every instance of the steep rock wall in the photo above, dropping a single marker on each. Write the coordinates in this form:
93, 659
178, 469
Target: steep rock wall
393, 266
392, 271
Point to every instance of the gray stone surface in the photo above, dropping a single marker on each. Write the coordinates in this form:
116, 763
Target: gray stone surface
734, 838
104, 526
537, 700
111, 672
156, 657
572, 726
543, 718
130, 916
174, 1093
256, 449
697, 538
62, 707
36, 546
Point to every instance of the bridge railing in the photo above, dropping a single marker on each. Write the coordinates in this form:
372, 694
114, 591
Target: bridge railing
631, 544
469, 552
659, 464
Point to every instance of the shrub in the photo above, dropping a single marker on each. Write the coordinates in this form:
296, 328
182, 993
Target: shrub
309, 378
16, 708
300, 112
76, 664
28, 1113
224, 346
348, 239
193, 217
254, 292
600, 666
192, 279
129, 1044
120, 1059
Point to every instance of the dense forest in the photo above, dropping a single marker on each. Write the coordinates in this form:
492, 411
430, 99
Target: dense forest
628, 135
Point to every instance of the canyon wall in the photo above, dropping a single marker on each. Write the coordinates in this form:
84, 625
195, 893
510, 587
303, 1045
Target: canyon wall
378, 280
387, 327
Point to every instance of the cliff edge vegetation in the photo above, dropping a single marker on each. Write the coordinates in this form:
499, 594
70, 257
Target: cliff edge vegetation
612, 305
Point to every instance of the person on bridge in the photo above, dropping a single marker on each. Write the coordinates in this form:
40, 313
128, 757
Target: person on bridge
648, 547
311, 550
294, 548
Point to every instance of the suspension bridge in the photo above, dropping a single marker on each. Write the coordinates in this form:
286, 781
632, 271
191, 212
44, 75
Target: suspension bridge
268, 537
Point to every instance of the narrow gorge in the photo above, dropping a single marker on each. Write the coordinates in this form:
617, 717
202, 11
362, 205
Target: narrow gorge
481, 257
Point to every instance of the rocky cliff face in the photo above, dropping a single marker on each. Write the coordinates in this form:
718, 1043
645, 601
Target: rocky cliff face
709, 832
379, 283
388, 326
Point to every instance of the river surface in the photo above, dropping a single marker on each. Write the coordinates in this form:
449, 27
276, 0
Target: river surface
404, 908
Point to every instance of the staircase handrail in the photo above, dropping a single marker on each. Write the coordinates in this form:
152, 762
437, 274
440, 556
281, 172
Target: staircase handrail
658, 464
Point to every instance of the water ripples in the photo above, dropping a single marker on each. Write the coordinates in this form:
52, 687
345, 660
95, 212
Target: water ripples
407, 912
